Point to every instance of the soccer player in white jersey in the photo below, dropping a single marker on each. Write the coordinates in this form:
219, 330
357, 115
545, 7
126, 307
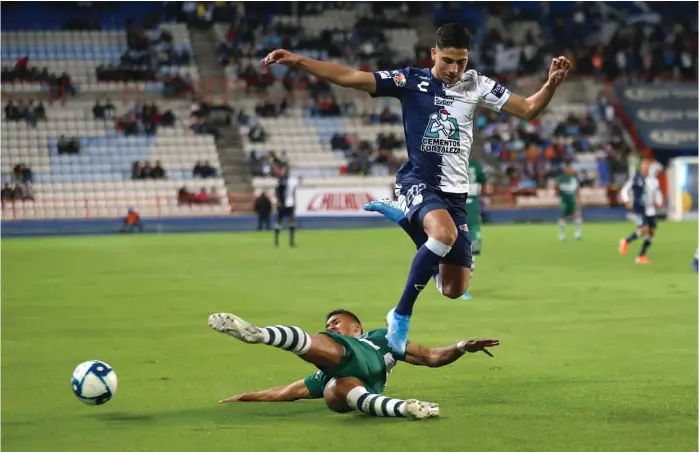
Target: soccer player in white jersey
647, 197
438, 107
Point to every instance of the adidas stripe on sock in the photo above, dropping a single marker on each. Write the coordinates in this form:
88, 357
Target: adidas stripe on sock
375, 405
290, 338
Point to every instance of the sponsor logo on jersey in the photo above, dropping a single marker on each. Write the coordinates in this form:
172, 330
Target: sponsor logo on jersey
442, 134
498, 90
443, 102
463, 227
422, 77
385, 75
399, 78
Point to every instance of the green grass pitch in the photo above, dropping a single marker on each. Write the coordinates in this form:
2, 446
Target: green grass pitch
598, 353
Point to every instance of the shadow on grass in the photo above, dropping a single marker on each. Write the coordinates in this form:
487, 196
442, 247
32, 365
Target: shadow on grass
243, 414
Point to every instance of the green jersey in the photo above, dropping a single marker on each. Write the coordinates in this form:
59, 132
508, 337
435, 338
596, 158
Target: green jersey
367, 358
476, 180
567, 194
567, 188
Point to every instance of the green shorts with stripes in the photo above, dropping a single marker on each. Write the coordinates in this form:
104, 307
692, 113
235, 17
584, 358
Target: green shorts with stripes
360, 361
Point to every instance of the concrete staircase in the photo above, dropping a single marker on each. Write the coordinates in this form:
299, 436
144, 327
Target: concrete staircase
231, 154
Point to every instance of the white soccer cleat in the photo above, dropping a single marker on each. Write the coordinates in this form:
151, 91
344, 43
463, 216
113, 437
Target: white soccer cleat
233, 325
418, 410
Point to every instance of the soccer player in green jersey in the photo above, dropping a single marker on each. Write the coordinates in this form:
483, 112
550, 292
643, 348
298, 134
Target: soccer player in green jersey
478, 184
568, 190
352, 365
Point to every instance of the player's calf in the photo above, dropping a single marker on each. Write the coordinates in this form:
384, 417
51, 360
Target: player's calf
343, 395
318, 349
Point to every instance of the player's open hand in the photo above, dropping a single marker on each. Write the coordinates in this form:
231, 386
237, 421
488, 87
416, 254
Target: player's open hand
481, 345
281, 56
230, 399
559, 70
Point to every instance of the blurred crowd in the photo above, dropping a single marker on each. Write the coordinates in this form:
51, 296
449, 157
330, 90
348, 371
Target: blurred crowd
532, 153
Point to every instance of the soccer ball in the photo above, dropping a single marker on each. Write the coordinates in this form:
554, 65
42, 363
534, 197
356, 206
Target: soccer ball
94, 382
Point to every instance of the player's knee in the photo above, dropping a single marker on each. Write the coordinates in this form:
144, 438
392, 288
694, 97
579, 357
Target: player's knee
335, 393
444, 234
454, 289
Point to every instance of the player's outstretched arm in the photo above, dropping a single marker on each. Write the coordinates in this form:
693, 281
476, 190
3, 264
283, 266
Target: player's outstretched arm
289, 393
437, 357
334, 73
530, 107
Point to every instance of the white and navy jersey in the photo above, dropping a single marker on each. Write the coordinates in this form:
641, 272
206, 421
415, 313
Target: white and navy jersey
646, 194
438, 123
286, 192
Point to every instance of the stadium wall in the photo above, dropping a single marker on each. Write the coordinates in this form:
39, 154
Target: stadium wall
38, 228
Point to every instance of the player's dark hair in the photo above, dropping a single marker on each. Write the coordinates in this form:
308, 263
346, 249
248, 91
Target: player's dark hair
343, 312
453, 35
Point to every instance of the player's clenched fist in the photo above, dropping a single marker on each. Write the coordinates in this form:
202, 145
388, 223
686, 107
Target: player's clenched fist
281, 56
559, 70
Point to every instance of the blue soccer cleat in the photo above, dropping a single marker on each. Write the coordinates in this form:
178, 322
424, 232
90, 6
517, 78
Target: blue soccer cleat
466, 296
695, 265
387, 208
397, 336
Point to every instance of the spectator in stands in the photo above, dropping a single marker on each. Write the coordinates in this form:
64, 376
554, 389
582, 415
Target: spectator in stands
128, 124
327, 106
31, 115
21, 110
201, 126
63, 145
132, 221
257, 133
267, 109
158, 171
98, 111
206, 170
74, 146
147, 170
243, 118
184, 196
168, 119
41, 111
11, 111
388, 117
7, 193
136, 171
22, 173
202, 197
109, 109
263, 209
66, 84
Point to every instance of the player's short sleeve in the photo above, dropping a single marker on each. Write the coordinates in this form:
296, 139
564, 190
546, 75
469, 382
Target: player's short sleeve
390, 83
316, 384
491, 93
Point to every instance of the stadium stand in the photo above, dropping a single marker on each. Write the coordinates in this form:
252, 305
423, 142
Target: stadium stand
97, 181
329, 135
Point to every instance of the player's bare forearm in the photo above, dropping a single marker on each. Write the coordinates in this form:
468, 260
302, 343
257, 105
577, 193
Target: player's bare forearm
289, 393
332, 72
444, 356
338, 74
438, 357
536, 103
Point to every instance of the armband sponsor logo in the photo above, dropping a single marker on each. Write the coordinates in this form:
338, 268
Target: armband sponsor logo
498, 90
385, 75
